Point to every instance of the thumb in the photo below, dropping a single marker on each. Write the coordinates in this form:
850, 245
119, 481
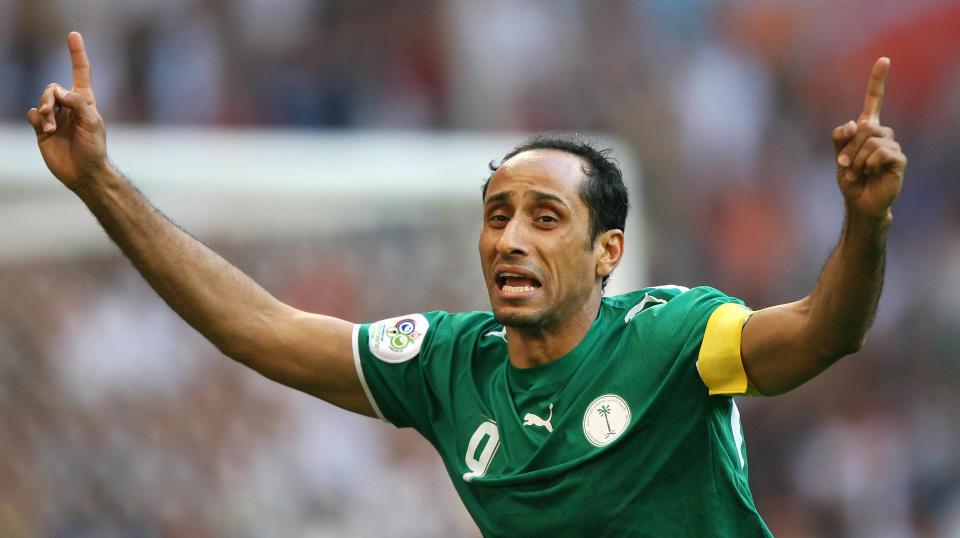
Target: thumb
842, 135
75, 102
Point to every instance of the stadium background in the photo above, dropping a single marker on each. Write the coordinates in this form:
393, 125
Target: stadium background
118, 420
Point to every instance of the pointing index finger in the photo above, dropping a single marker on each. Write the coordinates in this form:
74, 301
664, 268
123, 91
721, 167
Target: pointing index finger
81, 65
871, 104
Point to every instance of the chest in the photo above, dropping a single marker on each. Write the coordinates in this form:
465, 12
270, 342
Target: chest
618, 393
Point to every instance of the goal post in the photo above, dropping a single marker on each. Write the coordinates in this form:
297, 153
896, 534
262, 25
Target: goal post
257, 184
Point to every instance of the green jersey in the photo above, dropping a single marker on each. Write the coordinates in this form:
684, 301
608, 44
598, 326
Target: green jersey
633, 432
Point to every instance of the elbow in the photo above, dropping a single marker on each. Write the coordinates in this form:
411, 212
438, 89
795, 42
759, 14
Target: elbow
856, 345
245, 343
235, 348
233, 351
851, 346
837, 350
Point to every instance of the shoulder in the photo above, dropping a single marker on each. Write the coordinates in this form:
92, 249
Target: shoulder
401, 338
649, 295
436, 320
462, 325
669, 300
634, 302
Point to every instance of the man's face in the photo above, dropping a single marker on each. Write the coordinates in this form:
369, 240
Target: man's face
538, 264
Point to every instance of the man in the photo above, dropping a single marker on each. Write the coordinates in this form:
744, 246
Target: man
561, 412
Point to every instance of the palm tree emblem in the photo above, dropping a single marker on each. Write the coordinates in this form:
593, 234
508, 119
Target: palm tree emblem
604, 411
616, 419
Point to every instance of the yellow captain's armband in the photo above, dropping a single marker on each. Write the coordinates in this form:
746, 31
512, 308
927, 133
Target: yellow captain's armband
719, 362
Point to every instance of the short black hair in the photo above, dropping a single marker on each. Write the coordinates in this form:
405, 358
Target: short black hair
603, 190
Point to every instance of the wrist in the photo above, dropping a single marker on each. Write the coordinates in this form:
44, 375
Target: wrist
866, 224
96, 181
882, 218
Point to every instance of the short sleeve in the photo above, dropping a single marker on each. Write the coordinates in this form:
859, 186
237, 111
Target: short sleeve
389, 357
709, 324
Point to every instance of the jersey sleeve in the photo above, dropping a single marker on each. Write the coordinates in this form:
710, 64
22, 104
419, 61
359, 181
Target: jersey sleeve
713, 323
389, 357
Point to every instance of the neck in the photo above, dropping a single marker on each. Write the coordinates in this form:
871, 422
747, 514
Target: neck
533, 346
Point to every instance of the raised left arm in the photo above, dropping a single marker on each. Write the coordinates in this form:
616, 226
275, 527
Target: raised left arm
786, 345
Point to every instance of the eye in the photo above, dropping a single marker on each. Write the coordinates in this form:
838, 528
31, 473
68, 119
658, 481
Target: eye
546, 221
497, 220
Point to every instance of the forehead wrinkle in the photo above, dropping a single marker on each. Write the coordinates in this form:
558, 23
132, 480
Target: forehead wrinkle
537, 195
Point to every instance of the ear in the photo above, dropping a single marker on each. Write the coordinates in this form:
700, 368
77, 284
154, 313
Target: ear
609, 250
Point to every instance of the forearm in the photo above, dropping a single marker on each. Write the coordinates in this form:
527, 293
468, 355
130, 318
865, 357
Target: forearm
785, 345
844, 300
310, 352
214, 297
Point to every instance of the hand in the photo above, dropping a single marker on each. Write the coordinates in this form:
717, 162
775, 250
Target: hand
70, 131
870, 163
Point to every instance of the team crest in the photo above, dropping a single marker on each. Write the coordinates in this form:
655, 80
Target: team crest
606, 419
397, 339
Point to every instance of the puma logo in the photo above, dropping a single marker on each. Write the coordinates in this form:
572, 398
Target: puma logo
502, 333
647, 298
533, 420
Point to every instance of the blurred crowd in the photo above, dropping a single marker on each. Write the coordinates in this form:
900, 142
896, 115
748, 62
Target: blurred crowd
119, 420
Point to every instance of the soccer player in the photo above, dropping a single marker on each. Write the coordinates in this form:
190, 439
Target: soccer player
561, 412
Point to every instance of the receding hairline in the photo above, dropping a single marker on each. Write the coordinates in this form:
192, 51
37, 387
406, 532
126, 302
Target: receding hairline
585, 169
584, 163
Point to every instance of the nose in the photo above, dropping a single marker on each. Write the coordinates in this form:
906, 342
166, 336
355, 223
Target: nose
513, 239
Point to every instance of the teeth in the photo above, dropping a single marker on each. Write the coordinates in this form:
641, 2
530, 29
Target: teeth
502, 275
517, 289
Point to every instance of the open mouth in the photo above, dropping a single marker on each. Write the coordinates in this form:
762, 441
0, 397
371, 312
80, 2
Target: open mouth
515, 283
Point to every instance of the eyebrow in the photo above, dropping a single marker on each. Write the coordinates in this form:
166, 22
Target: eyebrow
499, 197
539, 196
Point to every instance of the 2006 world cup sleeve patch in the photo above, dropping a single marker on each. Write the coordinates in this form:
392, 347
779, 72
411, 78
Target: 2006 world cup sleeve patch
397, 340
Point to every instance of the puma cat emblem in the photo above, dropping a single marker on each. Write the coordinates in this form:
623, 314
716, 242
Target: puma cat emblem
533, 420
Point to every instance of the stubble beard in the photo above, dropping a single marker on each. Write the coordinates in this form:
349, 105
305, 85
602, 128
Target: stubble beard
520, 320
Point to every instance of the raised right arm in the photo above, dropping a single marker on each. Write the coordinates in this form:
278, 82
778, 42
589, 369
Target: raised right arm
309, 352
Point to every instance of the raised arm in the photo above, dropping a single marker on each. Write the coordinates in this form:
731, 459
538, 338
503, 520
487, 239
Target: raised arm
309, 352
786, 345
